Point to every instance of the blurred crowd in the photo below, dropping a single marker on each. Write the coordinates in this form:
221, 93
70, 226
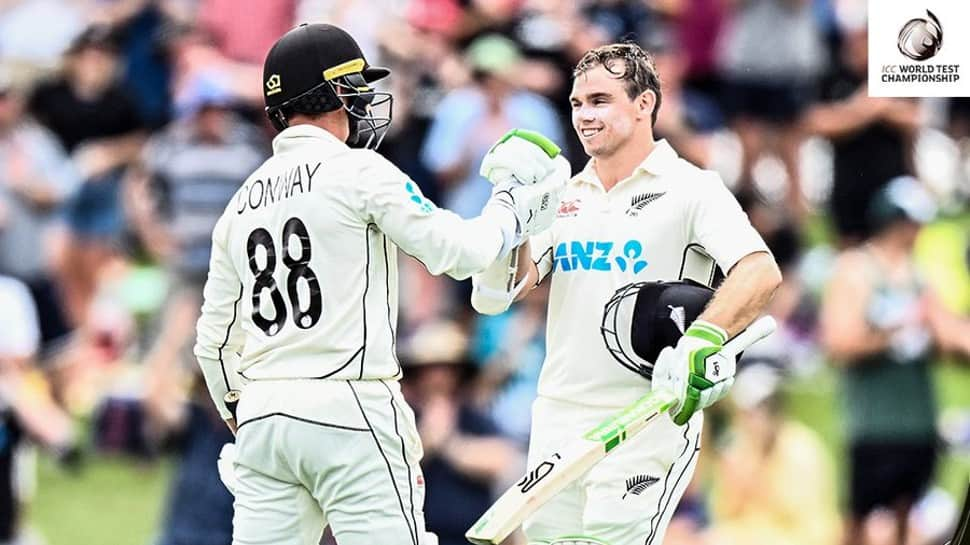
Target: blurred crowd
127, 125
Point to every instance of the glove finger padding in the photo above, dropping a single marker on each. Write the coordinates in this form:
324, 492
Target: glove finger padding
547, 194
696, 371
522, 156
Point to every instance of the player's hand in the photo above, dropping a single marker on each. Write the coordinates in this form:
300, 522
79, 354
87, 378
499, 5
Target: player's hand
695, 370
226, 465
520, 155
534, 205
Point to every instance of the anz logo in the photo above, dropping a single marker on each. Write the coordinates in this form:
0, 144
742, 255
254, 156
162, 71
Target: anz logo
599, 255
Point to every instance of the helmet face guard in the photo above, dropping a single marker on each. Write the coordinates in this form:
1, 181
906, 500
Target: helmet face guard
643, 318
369, 112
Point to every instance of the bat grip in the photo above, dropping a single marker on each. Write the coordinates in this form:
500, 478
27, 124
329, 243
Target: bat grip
231, 399
761, 328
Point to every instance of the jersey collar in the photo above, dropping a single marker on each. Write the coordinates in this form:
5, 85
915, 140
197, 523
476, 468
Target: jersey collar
300, 135
659, 162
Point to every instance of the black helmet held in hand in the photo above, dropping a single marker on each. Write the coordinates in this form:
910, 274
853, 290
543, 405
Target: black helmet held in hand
644, 317
319, 68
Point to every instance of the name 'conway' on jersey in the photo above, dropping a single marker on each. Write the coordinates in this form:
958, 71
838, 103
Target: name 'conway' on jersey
303, 278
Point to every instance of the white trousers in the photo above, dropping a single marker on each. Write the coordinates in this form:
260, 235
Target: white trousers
317, 452
630, 496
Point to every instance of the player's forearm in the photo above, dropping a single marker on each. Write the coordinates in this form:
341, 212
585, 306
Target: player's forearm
526, 270
216, 381
745, 293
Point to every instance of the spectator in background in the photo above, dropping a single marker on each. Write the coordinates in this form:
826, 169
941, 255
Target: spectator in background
26, 409
244, 30
512, 347
464, 456
469, 120
775, 484
772, 55
36, 178
882, 324
684, 112
699, 24
179, 414
186, 176
872, 138
146, 71
97, 122
35, 33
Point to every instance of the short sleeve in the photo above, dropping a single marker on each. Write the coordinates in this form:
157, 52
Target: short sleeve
721, 226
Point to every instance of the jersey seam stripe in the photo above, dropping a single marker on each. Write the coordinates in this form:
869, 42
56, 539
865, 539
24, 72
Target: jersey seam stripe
673, 490
339, 369
414, 257
300, 419
540, 260
404, 457
235, 313
363, 299
387, 284
387, 462
653, 529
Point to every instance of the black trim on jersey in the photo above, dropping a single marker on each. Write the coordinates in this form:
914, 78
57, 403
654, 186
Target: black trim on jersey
387, 285
235, 312
673, 489
536, 263
390, 472
307, 420
416, 258
341, 368
404, 457
363, 299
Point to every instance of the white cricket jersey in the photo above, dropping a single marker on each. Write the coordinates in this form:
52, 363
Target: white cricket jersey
303, 276
647, 227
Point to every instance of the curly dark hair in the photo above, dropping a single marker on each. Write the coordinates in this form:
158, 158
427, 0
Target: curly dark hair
626, 61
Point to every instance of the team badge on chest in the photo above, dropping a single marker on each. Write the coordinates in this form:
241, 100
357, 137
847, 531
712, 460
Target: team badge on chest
638, 202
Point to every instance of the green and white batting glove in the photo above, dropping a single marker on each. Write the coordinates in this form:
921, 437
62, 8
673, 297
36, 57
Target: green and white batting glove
695, 371
521, 156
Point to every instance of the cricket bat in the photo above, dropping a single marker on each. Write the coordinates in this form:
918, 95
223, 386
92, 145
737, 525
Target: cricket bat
547, 478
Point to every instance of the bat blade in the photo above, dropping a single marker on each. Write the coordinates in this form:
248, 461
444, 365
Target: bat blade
548, 477
556, 472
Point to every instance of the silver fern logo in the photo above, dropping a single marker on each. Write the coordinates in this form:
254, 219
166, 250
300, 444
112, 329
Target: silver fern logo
637, 484
638, 202
921, 39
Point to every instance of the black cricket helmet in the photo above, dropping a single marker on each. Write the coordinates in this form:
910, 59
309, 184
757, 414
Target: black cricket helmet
316, 68
643, 318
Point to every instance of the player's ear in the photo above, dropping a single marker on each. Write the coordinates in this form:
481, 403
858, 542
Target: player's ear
645, 103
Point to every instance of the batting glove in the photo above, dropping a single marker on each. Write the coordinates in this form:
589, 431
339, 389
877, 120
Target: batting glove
535, 205
520, 155
695, 371
226, 464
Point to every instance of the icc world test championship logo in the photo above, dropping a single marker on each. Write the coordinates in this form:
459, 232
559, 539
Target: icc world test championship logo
920, 39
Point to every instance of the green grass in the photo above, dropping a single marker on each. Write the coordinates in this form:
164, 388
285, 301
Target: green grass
119, 502
110, 502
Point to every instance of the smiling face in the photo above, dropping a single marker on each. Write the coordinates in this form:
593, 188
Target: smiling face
604, 116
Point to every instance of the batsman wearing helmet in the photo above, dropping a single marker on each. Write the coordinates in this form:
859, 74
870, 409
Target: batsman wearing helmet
300, 311
636, 219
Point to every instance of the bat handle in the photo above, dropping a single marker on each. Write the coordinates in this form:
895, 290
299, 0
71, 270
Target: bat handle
761, 328
231, 399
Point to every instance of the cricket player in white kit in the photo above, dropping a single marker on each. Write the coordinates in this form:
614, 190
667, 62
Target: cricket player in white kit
301, 300
636, 213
